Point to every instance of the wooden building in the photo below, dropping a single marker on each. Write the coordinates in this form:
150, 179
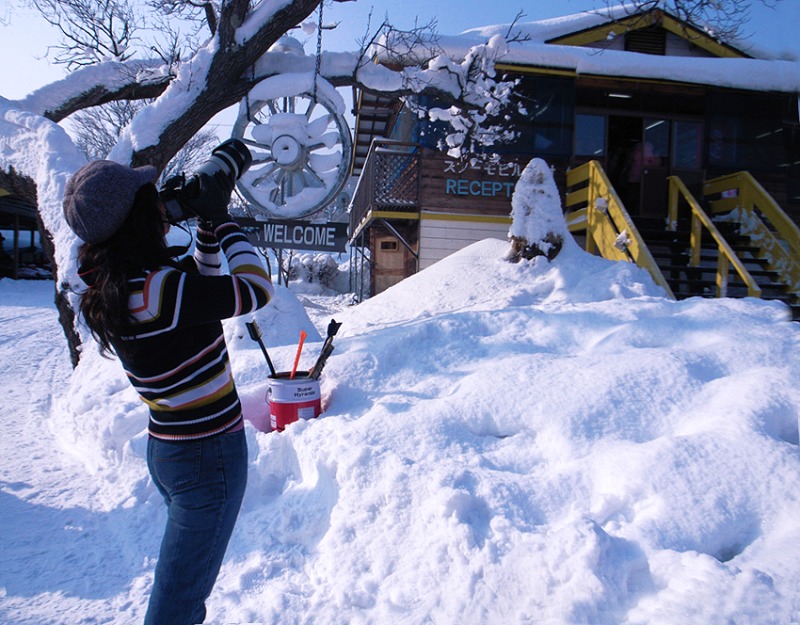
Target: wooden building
20, 254
646, 97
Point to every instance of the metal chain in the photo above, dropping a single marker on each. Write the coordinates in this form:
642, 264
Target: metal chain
319, 50
247, 95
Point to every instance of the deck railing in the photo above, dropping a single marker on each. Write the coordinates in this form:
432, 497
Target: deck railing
726, 256
593, 204
389, 182
761, 219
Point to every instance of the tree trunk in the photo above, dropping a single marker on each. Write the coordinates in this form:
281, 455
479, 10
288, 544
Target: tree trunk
66, 315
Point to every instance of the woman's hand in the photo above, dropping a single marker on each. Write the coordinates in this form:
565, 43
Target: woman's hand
208, 196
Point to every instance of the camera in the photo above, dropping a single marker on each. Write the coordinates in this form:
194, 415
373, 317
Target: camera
231, 157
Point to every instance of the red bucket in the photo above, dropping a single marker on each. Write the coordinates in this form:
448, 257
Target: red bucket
291, 400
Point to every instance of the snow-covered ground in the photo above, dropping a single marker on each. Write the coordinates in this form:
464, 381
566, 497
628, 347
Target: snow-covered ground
501, 444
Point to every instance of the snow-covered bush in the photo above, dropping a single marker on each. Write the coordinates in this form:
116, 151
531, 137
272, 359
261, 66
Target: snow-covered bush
538, 227
311, 268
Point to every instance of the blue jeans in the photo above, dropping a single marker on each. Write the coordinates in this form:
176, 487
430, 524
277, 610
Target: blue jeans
203, 484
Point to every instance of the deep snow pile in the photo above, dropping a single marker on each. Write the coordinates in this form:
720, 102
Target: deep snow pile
502, 443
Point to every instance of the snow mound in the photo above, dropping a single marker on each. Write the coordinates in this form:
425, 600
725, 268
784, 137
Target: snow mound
536, 211
542, 442
536, 442
477, 279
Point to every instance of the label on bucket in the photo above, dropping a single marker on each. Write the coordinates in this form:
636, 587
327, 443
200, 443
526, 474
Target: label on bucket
299, 389
290, 400
309, 412
282, 414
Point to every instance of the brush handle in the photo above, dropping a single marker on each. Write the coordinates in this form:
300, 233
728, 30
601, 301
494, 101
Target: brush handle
255, 334
297, 356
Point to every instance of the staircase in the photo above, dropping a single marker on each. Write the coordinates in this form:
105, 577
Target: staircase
738, 244
672, 251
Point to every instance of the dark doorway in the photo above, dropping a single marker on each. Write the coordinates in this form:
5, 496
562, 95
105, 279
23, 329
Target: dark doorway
638, 165
654, 156
624, 132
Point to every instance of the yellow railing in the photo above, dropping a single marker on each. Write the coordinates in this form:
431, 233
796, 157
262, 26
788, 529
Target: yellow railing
593, 204
762, 220
726, 257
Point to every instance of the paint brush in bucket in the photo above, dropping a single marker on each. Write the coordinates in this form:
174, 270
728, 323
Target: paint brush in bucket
297, 356
255, 334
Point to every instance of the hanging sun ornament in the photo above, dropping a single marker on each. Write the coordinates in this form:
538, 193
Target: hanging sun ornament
295, 127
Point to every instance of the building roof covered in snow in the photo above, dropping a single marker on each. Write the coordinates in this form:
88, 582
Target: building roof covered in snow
650, 44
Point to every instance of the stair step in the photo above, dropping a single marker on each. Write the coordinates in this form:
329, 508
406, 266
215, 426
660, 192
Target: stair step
671, 250
709, 264
707, 254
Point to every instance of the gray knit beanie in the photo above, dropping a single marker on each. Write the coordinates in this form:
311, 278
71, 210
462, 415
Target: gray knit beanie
99, 197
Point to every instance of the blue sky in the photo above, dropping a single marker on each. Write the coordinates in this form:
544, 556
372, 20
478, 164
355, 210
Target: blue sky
24, 36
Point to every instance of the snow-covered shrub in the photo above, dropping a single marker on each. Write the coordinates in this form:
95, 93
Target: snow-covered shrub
313, 268
538, 227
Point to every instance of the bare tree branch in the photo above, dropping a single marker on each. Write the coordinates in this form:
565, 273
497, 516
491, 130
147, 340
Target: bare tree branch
188, 10
97, 129
91, 30
513, 35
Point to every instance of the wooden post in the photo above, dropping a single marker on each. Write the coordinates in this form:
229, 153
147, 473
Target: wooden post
15, 259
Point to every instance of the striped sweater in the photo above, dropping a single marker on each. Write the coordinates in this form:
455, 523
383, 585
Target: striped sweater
175, 355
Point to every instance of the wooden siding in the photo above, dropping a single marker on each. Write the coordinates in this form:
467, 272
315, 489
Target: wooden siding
392, 261
442, 234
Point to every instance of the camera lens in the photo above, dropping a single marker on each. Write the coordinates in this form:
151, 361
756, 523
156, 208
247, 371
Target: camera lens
232, 156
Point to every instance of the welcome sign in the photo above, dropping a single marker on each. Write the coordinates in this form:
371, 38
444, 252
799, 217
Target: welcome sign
296, 235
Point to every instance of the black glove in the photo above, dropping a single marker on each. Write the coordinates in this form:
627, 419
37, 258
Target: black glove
208, 196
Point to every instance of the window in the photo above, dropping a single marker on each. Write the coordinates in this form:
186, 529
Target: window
745, 132
686, 140
543, 114
590, 135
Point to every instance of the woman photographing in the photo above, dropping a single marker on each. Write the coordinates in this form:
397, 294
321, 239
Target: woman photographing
163, 321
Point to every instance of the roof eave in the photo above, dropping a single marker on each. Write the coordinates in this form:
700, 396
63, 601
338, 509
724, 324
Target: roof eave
656, 17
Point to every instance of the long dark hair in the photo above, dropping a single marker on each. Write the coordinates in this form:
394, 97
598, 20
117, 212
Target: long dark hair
138, 245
